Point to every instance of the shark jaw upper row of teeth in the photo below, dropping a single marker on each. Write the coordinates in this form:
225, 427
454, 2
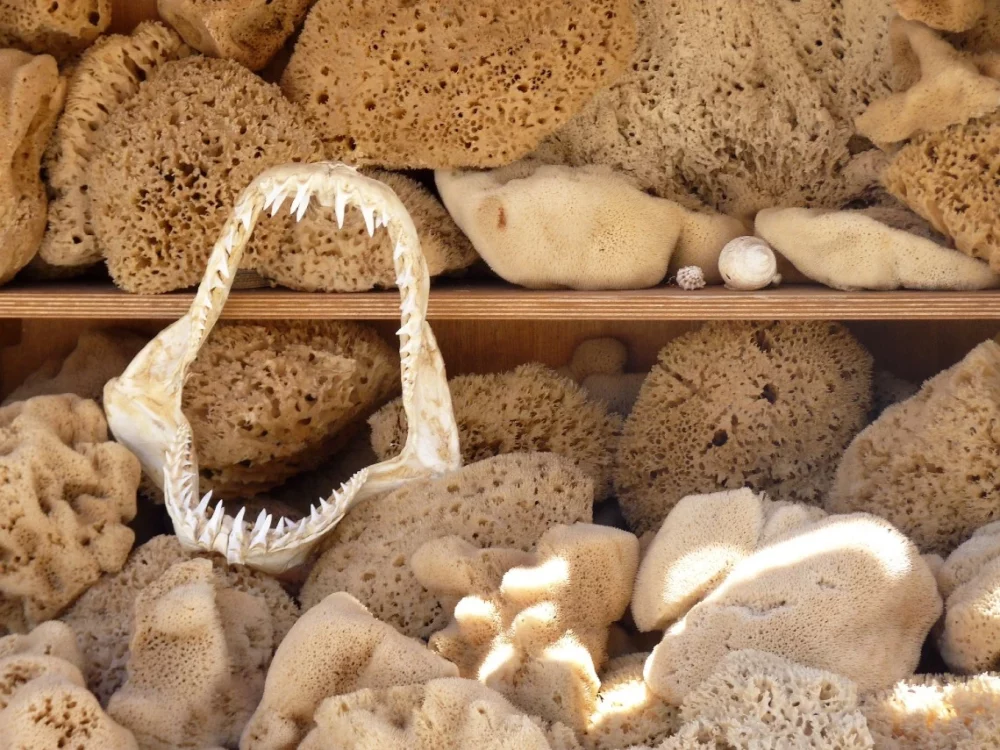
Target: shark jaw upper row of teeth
373, 207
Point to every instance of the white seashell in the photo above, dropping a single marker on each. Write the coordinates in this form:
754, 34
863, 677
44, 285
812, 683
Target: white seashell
748, 263
690, 278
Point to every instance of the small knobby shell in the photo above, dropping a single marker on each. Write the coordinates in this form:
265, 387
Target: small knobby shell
748, 263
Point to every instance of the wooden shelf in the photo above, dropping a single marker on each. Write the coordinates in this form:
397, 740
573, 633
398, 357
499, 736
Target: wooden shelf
498, 302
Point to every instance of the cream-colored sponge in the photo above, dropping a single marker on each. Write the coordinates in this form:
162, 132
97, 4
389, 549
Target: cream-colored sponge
249, 32
532, 408
506, 501
850, 250
545, 227
931, 464
31, 95
61, 28
403, 85
335, 648
105, 76
947, 15
724, 408
173, 159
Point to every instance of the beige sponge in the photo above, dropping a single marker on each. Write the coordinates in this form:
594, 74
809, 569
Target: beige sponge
269, 400
546, 226
506, 501
335, 648
947, 15
532, 408
61, 28
931, 464
849, 594
725, 407
174, 157
105, 76
850, 250
249, 32
31, 96
404, 85
945, 177
318, 256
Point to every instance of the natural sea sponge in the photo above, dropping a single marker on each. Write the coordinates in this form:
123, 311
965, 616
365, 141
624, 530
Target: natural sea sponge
432, 85
755, 699
335, 648
61, 29
545, 227
931, 464
947, 15
505, 501
532, 408
850, 250
741, 106
102, 620
99, 355
443, 714
105, 76
66, 493
598, 356
31, 95
725, 407
618, 392
249, 32
269, 400
849, 594
952, 89
936, 712
172, 161
53, 639
317, 256
540, 635
945, 177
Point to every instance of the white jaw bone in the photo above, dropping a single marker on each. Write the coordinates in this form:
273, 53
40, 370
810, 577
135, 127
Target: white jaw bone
143, 406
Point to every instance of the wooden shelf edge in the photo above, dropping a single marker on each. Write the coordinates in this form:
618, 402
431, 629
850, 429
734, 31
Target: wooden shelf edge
66, 301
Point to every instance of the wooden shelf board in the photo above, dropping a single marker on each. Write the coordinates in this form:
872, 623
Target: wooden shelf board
497, 302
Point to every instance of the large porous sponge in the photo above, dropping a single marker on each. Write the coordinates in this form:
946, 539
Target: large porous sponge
31, 95
197, 659
931, 464
102, 620
947, 15
725, 407
335, 648
936, 712
846, 593
539, 634
506, 501
318, 256
532, 408
99, 355
544, 226
741, 105
105, 76
249, 32
267, 401
66, 493
945, 177
430, 84
61, 28
443, 714
755, 699
172, 160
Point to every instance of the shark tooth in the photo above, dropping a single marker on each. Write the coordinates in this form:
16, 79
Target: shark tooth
301, 202
280, 528
212, 528
203, 505
260, 528
234, 548
368, 212
340, 206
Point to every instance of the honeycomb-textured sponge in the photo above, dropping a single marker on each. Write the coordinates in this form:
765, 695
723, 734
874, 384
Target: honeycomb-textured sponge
438, 84
66, 493
267, 401
249, 32
105, 76
931, 464
532, 408
317, 256
947, 177
505, 501
61, 28
946, 15
741, 105
768, 405
172, 161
